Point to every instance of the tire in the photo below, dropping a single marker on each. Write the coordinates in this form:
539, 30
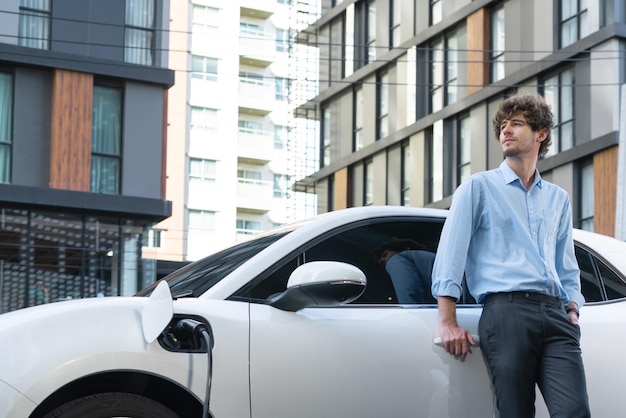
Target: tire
112, 404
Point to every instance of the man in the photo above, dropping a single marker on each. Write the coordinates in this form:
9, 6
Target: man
410, 269
510, 232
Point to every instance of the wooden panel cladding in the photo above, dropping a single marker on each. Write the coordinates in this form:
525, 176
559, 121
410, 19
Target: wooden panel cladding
341, 189
605, 191
477, 50
70, 133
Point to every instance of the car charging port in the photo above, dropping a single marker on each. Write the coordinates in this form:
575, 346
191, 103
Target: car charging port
190, 335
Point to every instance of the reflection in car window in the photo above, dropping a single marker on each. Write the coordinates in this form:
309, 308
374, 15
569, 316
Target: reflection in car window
196, 278
588, 278
597, 280
354, 245
613, 285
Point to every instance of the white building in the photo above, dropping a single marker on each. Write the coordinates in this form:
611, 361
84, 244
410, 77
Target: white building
229, 116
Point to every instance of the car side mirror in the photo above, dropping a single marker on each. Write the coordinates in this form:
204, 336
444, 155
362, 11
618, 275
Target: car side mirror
321, 283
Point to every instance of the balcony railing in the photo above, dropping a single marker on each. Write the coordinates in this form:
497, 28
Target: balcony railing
255, 146
254, 196
256, 96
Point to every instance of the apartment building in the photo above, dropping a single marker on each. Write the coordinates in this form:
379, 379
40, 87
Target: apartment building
228, 118
83, 94
408, 90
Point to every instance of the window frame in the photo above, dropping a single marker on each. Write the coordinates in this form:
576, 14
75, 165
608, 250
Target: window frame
405, 180
98, 154
382, 104
560, 104
28, 14
579, 18
143, 54
497, 44
357, 117
6, 137
205, 74
443, 71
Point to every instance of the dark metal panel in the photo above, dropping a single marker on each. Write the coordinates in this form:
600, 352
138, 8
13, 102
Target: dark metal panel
89, 27
85, 203
31, 128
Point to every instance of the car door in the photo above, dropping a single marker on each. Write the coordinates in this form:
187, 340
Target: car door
371, 358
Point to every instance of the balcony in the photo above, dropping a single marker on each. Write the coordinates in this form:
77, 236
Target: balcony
256, 97
255, 146
256, 49
254, 196
258, 9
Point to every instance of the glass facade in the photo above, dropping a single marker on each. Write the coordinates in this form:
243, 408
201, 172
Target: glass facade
48, 257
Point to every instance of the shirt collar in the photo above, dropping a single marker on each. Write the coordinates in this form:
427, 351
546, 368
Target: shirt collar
509, 175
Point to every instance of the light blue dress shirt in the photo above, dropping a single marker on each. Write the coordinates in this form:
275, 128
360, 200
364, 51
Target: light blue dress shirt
506, 238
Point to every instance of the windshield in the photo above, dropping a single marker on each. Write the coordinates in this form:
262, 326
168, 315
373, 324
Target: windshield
199, 276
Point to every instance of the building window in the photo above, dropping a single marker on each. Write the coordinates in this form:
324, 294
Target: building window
444, 71
364, 33
382, 102
496, 53
139, 37
250, 127
325, 140
6, 126
282, 40
34, 26
357, 139
282, 88
252, 30
395, 36
435, 163
368, 183
250, 175
204, 68
203, 118
106, 140
585, 199
558, 91
348, 43
202, 171
463, 148
205, 17
247, 227
280, 185
573, 21
371, 31
436, 11
281, 133
405, 174
152, 238
201, 220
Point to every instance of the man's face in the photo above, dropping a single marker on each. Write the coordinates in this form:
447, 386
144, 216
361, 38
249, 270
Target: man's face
517, 137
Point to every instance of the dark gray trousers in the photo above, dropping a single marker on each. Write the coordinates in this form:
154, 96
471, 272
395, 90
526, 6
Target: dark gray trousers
528, 339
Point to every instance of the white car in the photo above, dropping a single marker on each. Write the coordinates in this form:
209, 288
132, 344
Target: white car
298, 322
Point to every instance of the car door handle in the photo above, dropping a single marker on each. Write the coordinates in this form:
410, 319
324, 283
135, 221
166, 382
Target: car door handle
438, 341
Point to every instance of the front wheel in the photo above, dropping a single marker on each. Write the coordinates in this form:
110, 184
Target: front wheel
110, 405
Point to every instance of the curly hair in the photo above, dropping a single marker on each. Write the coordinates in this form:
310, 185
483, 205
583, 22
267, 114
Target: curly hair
534, 109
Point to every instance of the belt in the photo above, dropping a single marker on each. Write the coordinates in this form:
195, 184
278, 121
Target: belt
524, 297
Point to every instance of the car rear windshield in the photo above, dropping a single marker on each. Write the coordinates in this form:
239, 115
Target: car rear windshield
199, 276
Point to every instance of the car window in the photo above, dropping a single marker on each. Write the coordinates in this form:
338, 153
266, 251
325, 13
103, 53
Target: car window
590, 286
355, 245
615, 287
598, 282
199, 276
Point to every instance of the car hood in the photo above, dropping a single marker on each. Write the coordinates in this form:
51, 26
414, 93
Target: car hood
74, 338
